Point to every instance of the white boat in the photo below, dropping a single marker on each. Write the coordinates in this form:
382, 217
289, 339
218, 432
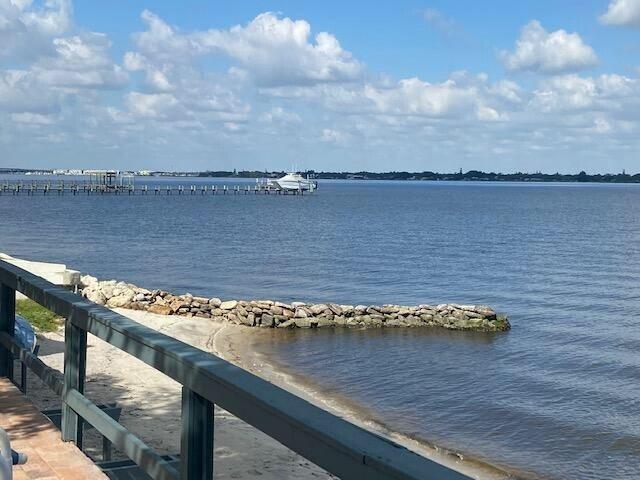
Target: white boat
294, 181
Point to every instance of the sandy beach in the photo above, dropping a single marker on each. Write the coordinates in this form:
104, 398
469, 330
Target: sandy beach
150, 401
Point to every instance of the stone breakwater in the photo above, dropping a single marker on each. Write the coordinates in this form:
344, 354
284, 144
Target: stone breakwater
273, 314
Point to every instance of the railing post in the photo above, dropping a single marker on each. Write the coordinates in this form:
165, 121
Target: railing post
196, 443
7, 325
75, 361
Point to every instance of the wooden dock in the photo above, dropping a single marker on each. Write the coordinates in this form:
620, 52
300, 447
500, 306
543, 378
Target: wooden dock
32, 433
86, 188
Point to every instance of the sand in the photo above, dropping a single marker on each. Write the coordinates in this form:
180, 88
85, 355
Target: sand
150, 401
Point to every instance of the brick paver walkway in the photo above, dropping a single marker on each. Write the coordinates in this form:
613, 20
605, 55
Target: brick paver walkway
32, 433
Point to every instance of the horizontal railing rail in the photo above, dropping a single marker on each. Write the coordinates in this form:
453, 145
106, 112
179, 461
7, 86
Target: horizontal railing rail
330, 442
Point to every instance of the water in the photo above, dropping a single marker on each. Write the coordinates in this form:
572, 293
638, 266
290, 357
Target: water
556, 397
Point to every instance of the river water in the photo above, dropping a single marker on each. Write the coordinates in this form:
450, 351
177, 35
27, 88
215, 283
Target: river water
558, 396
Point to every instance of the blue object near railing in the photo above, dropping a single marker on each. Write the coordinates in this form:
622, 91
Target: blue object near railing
338, 446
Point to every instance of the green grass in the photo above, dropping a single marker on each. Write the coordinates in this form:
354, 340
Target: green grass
38, 316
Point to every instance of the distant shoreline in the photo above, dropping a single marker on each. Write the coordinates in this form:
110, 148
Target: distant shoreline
469, 176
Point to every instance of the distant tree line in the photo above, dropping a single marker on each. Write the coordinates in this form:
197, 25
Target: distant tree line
471, 175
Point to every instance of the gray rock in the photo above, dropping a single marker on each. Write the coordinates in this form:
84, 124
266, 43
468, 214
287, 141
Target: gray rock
248, 320
215, 302
120, 300
88, 280
267, 320
96, 296
318, 308
323, 322
304, 322
291, 323
340, 321
228, 305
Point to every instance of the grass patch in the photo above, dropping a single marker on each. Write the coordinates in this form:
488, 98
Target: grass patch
38, 316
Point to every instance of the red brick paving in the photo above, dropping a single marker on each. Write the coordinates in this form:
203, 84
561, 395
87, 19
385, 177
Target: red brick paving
32, 433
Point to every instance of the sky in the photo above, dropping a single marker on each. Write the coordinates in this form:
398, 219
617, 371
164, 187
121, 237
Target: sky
551, 86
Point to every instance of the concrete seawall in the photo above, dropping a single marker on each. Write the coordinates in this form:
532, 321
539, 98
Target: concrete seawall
273, 314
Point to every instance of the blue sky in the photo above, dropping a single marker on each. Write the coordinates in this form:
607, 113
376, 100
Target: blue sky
535, 85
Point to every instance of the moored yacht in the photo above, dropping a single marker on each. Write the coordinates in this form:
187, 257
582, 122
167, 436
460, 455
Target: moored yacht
294, 181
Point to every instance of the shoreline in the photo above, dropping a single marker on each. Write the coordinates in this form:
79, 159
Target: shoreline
184, 317
238, 346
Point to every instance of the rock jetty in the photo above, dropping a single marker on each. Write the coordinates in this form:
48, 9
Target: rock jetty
273, 314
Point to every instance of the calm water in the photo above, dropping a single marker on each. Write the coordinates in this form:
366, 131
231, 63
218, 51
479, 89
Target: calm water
558, 396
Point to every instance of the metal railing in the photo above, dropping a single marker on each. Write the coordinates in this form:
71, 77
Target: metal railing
330, 442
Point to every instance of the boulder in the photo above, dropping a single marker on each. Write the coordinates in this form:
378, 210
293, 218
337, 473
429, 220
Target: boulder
267, 320
305, 322
340, 321
160, 309
120, 300
107, 290
413, 321
215, 302
318, 308
249, 319
360, 309
96, 296
372, 320
228, 305
178, 304
301, 313
88, 280
291, 323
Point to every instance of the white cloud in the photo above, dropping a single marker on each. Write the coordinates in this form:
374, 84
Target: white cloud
622, 13
80, 61
262, 93
32, 118
25, 30
330, 135
413, 96
551, 53
280, 115
610, 94
155, 78
439, 21
155, 105
275, 51
21, 92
